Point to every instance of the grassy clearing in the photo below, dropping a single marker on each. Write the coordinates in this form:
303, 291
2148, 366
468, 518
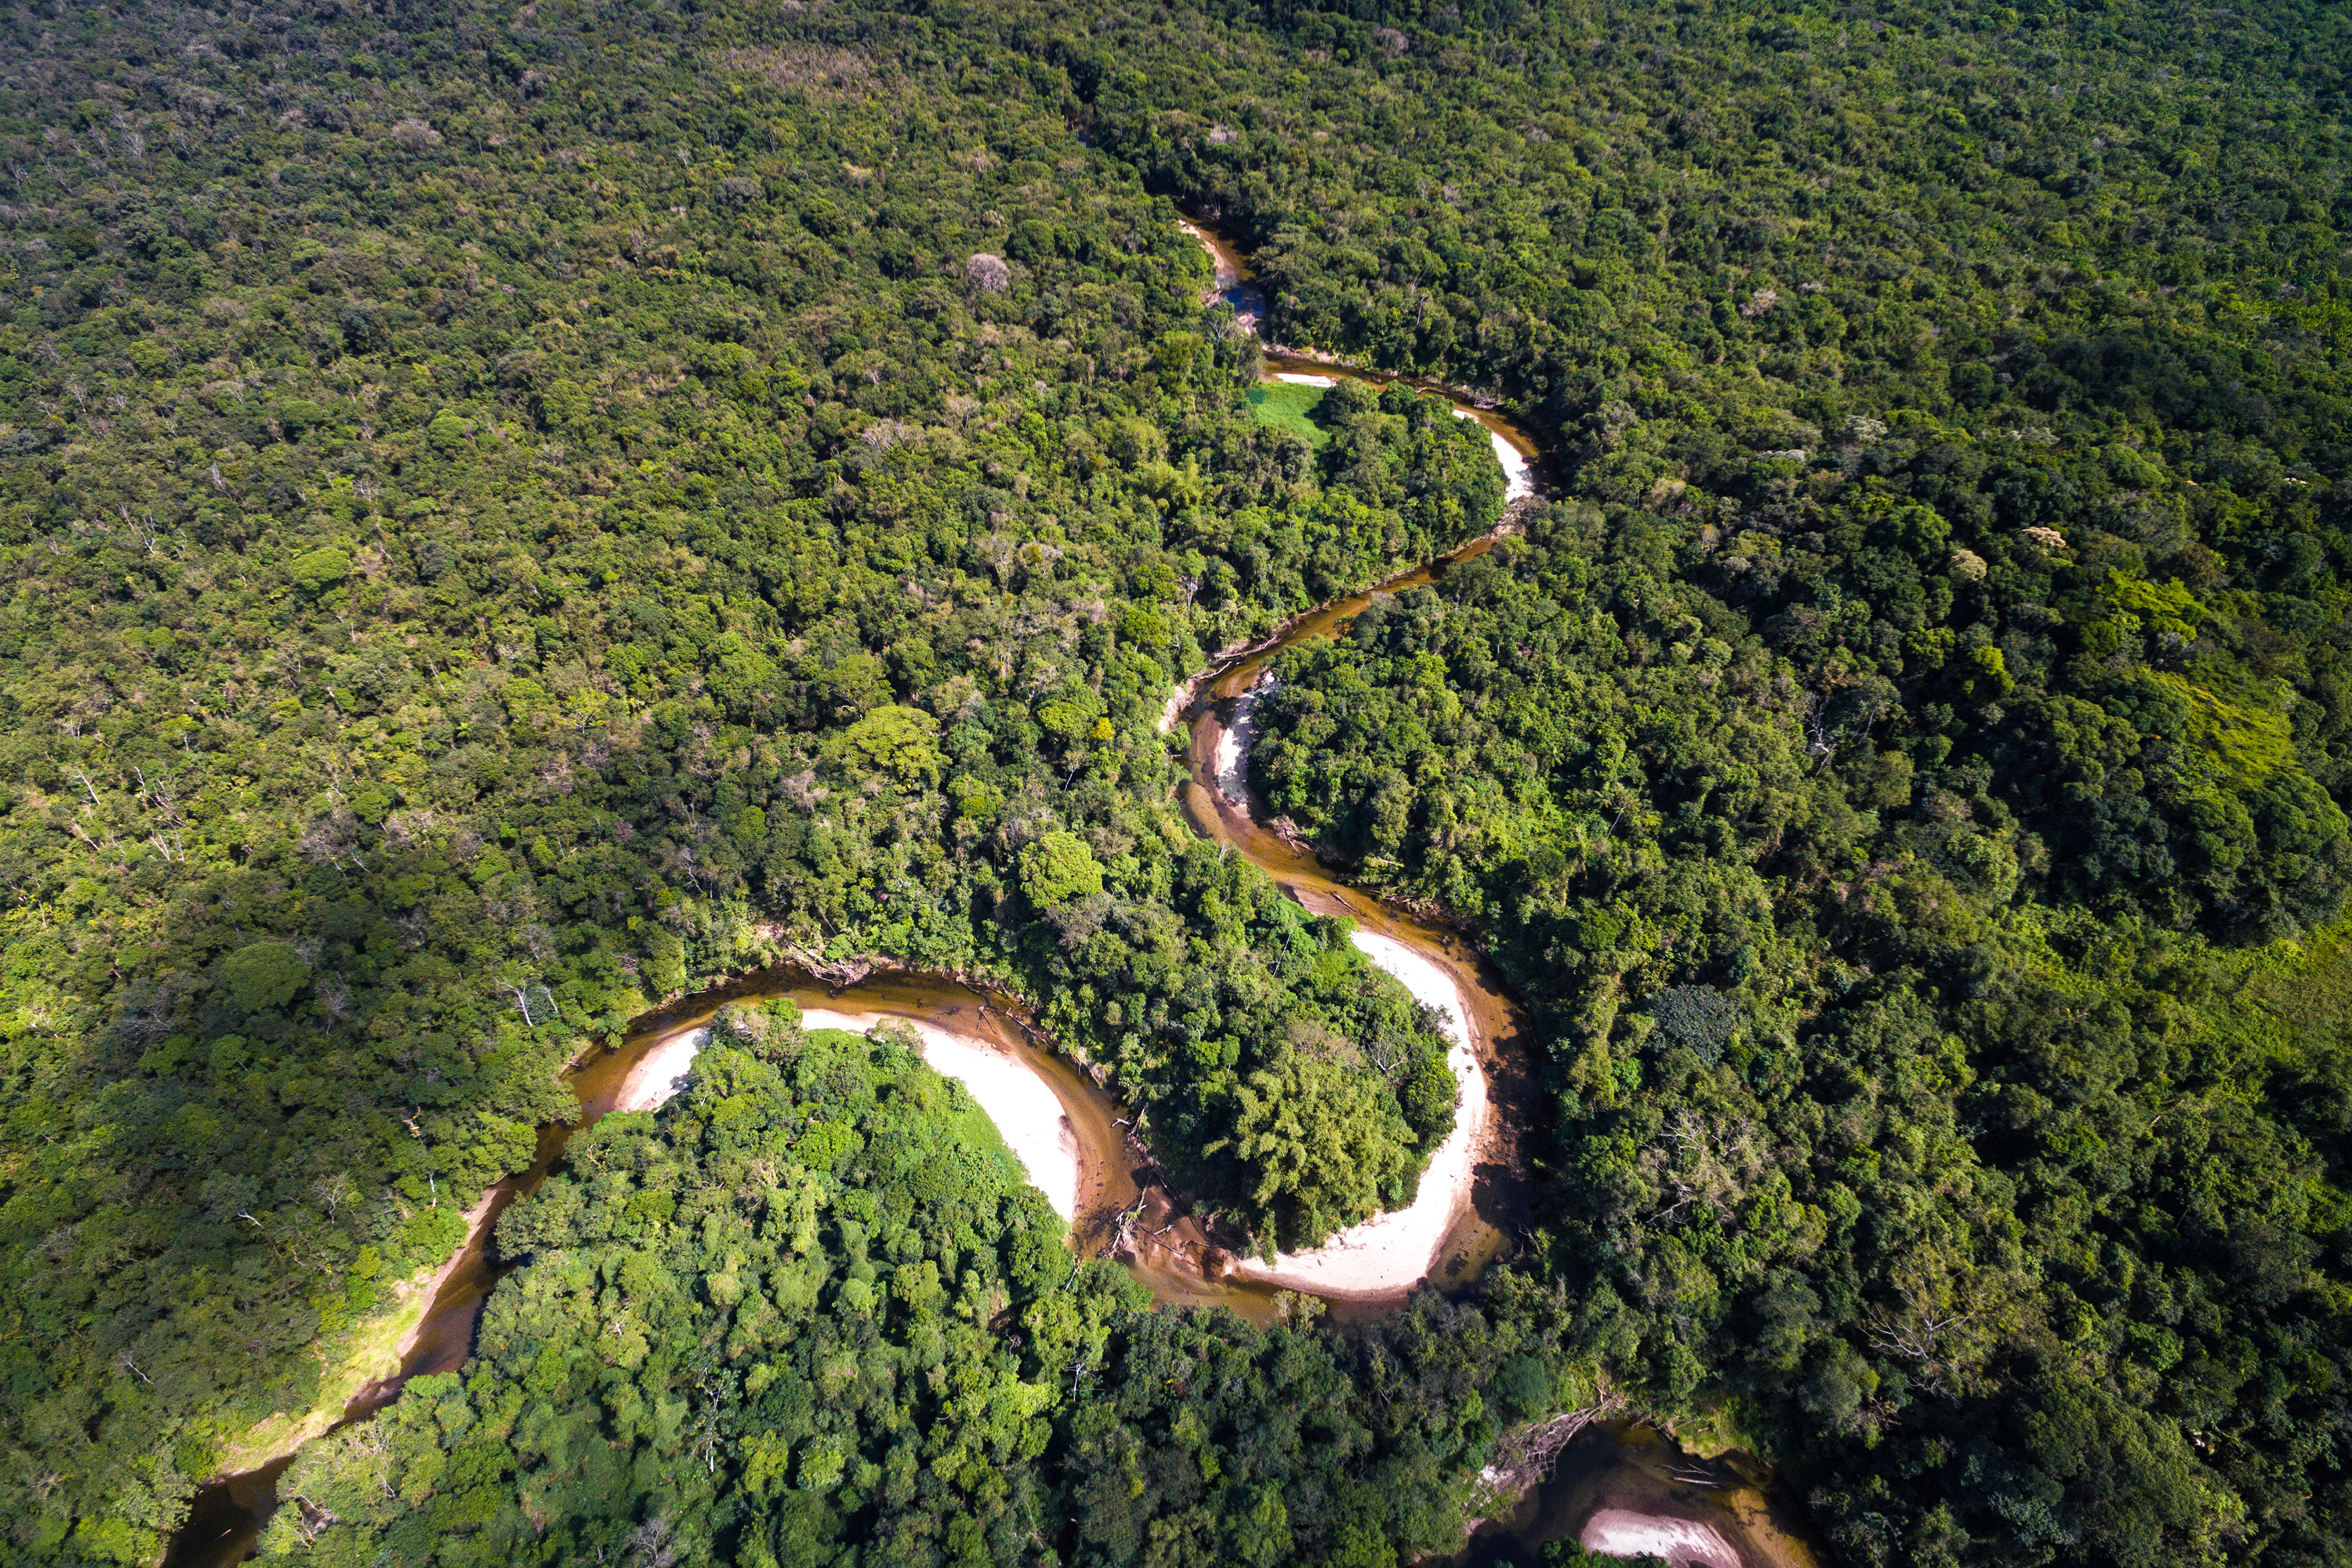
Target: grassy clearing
2300, 996
1292, 408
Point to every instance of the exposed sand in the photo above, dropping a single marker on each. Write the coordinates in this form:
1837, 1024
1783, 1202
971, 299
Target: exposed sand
1228, 273
1027, 1113
1389, 1252
1023, 1105
1396, 1251
1683, 1543
1518, 474
656, 1078
1233, 740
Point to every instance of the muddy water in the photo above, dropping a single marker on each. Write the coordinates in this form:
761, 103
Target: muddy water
1122, 1208
1217, 802
224, 1521
1524, 458
1626, 1490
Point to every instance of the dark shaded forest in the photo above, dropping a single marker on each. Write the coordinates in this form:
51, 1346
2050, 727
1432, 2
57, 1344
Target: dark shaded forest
484, 558
509, 513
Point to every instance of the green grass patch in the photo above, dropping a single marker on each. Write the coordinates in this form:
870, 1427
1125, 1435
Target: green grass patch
2249, 745
371, 1351
1291, 406
2307, 988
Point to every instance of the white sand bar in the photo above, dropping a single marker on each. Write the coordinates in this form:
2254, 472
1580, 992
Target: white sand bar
1233, 742
1396, 1251
1683, 1542
661, 1073
1227, 273
1298, 378
1518, 474
1027, 1113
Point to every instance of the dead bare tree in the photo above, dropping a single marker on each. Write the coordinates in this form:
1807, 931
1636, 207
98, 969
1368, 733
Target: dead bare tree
1526, 1455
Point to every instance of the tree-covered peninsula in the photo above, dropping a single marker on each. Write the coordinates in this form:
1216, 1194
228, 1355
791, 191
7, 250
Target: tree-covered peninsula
510, 513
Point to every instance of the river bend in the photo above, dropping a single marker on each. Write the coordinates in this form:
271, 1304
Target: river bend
1069, 1131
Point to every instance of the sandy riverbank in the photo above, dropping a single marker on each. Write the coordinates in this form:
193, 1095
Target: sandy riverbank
1027, 1114
1518, 473
1395, 1251
1680, 1543
657, 1074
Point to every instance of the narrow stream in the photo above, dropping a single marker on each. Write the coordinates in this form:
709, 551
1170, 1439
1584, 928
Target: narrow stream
1621, 1487
1115, 1201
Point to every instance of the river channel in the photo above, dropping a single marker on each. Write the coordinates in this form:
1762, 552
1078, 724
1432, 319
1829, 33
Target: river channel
1620, 1487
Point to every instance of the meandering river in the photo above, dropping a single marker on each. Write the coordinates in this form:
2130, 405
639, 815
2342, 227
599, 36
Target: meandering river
1622, 1488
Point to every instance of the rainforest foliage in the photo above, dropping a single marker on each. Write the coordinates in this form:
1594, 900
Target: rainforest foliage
812, 1315
510, 511
508, 518
1906, 769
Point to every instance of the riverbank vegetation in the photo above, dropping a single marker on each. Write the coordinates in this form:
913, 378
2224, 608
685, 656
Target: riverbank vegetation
1864, 1125
483, 555
1289, 407
1906, 769
508, 512
812, 1315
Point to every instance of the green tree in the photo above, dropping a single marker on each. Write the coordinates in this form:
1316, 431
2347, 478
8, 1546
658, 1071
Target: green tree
896, 740
1321, 1143
264, 974
1056, 868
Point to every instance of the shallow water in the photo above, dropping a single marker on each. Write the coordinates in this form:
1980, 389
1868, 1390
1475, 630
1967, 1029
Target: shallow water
1217, 803
1114, 1194
1515, 448
1396, 1250
1236, 283
1626, 1489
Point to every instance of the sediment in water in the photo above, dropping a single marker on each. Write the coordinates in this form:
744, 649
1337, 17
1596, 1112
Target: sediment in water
1095, 1174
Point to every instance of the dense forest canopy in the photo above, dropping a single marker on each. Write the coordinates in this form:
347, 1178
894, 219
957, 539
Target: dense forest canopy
485, 557
813, 1316
1885, 768
509, 512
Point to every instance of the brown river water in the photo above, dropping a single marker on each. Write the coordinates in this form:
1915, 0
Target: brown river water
1622, 1487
